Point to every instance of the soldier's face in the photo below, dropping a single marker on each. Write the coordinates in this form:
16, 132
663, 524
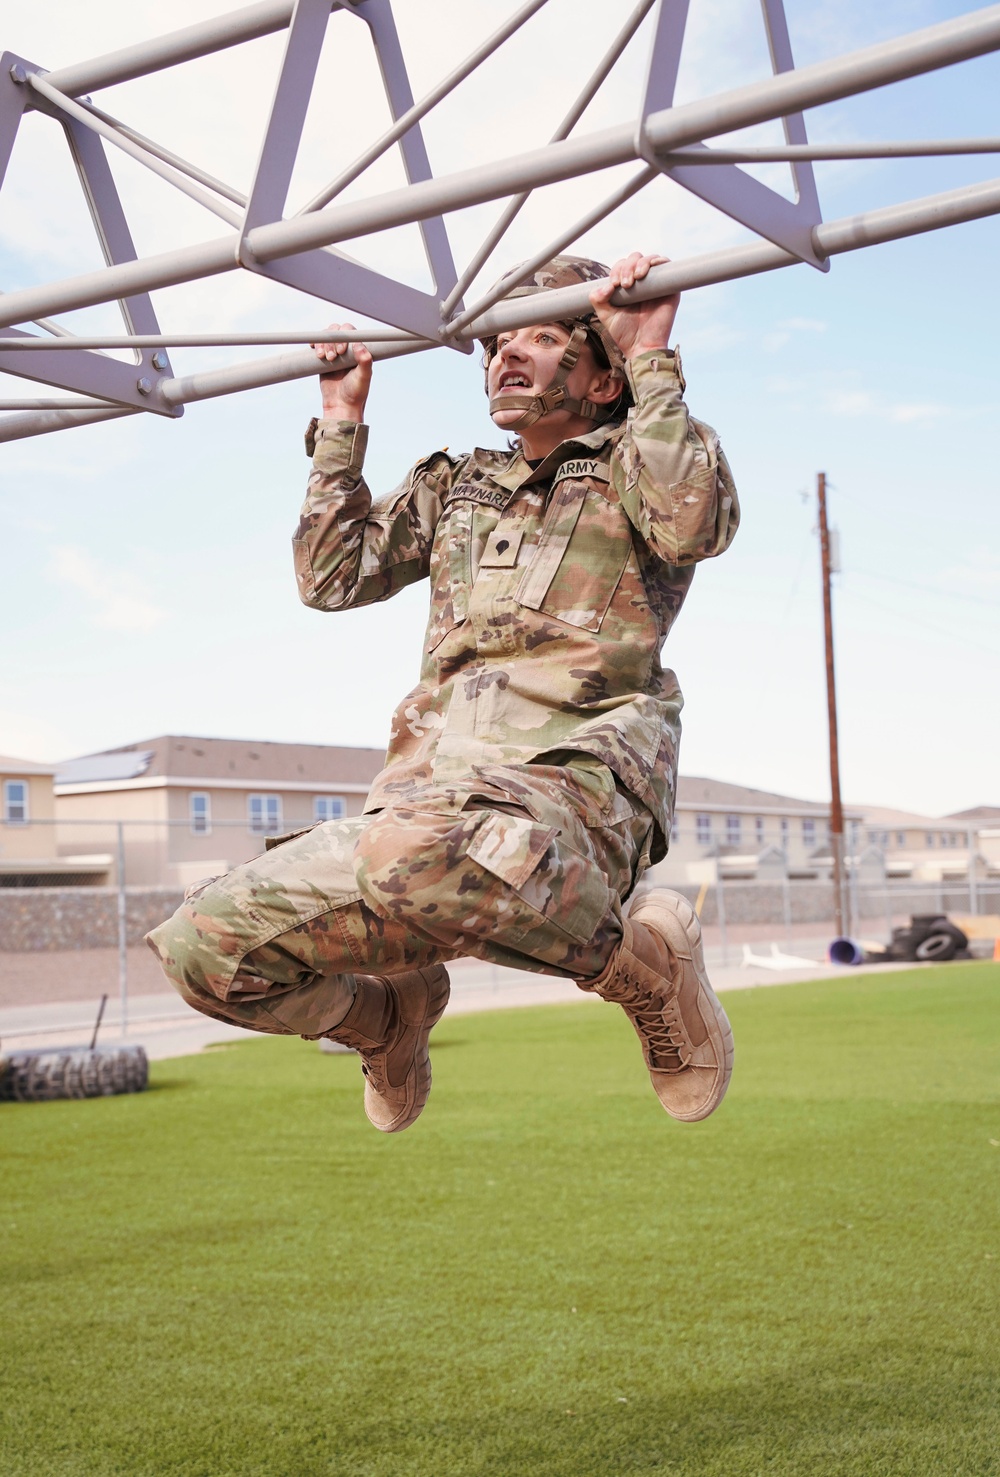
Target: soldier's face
525, 363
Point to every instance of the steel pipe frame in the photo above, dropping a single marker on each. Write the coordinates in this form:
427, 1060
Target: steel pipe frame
875, 66
743, 197
59, 103
200, 176
580, 105
786, 153
823, 82
217, 34
553, 248
852, 233
209, 340
666, 131
422, 108
328, 274
67, 402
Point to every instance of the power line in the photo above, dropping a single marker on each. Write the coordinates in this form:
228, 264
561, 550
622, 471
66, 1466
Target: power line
927, 589
961, 638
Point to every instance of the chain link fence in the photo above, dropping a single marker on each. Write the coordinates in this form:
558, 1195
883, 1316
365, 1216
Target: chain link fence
78, 895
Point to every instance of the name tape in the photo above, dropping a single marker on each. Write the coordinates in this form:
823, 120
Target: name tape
584, 467
477, 492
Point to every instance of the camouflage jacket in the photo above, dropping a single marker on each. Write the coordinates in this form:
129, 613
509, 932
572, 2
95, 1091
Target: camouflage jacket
552, 589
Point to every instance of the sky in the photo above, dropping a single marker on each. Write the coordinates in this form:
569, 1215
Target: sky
148, 585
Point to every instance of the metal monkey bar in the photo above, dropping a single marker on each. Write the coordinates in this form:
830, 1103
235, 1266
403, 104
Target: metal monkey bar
306, 250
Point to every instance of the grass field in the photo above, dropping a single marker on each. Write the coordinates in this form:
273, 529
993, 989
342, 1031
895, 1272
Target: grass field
234, 1274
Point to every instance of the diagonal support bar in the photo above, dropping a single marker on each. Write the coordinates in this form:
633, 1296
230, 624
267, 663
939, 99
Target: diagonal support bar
728, 188
378, 14
580, 105
322, 273
138, 384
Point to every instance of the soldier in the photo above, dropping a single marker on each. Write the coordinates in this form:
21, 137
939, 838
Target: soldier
530, 774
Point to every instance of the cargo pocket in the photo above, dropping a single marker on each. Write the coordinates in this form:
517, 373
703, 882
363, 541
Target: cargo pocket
559, 890
510, 847
580, 558
451, 574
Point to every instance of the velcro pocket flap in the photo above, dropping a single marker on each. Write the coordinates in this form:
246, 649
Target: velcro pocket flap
510, 847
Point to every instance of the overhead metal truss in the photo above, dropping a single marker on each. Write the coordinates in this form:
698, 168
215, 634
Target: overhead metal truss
307, 250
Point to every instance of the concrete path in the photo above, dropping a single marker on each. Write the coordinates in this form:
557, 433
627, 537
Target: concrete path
166, 1028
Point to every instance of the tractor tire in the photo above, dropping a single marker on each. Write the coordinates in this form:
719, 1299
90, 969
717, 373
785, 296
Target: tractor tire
47, 1073
936, 948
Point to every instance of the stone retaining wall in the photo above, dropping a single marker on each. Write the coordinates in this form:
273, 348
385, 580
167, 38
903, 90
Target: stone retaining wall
48, 918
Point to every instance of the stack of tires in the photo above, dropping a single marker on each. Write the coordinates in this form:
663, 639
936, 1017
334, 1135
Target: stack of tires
928, 938
46, 1073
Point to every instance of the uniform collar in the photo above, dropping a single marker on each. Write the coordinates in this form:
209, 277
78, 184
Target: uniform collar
517, 473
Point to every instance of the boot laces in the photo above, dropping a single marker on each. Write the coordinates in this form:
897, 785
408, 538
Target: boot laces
371, 1070
659, 1022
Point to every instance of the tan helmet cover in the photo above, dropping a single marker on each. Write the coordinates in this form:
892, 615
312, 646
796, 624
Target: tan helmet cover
562, 271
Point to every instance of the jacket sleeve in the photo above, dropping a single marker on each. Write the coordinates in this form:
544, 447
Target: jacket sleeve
350, 550
670, 471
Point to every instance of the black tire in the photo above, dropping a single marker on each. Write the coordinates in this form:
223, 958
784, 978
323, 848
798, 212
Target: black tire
936, 948
48, 1073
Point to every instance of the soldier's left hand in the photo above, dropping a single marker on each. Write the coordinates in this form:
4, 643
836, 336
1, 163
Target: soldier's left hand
636, 328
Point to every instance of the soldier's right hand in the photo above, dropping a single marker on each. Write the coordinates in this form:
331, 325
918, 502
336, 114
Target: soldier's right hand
344, 386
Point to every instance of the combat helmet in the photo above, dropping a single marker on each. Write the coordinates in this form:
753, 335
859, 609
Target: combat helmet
563, 271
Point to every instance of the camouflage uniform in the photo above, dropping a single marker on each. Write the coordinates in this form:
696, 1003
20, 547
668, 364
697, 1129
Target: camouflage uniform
531, 772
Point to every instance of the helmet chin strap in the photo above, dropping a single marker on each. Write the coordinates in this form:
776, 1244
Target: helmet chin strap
533, 407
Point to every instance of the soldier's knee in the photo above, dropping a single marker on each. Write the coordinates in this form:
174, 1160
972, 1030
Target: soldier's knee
195, 949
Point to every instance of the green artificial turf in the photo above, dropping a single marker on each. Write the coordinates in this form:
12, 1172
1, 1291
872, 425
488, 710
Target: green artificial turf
233, 1273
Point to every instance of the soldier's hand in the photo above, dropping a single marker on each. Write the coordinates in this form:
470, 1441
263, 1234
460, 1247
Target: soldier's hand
638, 327
344, 381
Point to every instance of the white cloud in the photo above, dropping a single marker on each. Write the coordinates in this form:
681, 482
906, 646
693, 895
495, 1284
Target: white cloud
904, 414
867, 403
851, 402
114, 601
784, 331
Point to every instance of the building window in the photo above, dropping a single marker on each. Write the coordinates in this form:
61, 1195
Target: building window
759, 823
15, 802
809, 833
732, 830
929, 838
327, 807
703, 829
675, 827
264, 814
900, 838
786, 826
200, 813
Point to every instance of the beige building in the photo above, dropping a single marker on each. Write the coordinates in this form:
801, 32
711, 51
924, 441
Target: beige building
185, 808
745, 834
193, 807
30, 854
737, 833
935, 849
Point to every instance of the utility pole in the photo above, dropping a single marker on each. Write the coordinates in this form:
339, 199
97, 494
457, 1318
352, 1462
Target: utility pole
836, 808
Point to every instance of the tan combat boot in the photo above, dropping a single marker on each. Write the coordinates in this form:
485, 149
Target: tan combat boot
657, 975
388, 1025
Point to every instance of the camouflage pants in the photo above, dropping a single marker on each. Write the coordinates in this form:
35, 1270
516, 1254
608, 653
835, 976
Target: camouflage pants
527, 867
